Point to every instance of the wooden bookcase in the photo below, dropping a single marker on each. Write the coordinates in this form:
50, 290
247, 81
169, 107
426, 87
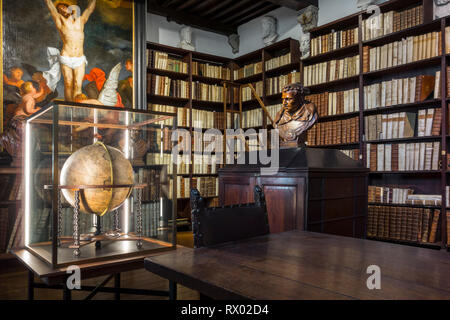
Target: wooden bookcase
11, 179
424, 182
262, 55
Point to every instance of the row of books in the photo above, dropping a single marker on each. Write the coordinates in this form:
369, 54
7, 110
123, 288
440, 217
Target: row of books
403, 125
278, 61
334, 132
207, 186
276, 84
411, 49
385, 23
207, 92
158, 139
402, 195
151, 219
333, 41
11, 235
404, 156
403, 223
161, 60
210, 71
202, 118
151, 177
254, 118
399, 91
162, 160
335, 103
331, 70
12, 187
248, 70
352, 153
165, 86
388, 194
247, 93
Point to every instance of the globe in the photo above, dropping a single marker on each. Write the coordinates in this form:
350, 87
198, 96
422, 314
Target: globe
97, 164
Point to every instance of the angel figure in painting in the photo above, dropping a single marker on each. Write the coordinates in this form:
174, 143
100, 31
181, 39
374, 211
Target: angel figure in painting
70, 26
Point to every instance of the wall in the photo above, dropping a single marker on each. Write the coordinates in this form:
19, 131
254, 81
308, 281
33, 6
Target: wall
161, 31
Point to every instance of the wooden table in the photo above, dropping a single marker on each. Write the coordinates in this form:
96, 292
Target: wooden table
298, 265
56, 278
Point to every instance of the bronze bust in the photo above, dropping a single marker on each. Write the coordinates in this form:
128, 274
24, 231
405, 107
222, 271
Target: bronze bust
296, 116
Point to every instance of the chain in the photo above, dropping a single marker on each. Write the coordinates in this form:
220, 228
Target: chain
139, 218
58, 236
76, 223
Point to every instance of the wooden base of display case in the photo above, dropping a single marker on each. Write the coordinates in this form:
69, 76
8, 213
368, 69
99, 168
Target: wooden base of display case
111, 249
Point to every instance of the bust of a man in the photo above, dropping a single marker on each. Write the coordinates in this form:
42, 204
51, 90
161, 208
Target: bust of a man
186, 38
305, 45
296, 116
269, 28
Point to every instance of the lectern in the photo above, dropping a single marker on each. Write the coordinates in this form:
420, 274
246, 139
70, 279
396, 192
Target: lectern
319, 190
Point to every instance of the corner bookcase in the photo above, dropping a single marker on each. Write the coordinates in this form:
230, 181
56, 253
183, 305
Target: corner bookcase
349, 122
431, 182
189, 104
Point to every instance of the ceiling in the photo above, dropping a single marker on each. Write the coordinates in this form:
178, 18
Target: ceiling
220, 16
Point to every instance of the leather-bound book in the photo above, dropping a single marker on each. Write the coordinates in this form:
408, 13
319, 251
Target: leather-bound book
448, 226
409, 224
403, 226
424, 87
437, 119
392, 224
434, 225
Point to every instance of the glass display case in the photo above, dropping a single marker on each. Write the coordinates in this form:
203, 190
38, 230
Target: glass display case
93, 190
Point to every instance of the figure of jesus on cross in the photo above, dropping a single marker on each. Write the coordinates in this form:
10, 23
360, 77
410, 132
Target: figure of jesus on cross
70, 26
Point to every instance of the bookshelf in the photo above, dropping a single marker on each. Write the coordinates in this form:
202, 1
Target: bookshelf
281, 59
424, 181
10, 204
430, 182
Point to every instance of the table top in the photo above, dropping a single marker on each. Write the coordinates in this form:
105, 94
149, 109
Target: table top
52, 276
297, 265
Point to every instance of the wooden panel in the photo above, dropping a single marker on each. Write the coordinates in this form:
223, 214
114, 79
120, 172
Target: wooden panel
338, 187
335, 208
234, 190
285, 202
339, 227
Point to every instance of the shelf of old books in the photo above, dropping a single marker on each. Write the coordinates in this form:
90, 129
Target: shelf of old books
380, 97
88, 194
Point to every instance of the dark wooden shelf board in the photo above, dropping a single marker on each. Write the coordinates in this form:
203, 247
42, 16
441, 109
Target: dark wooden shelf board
432, 103
171, 101
275, 72
327, 85
342, 145
250, 79
10, 170
338, 116
168, 73
331, 55
421, 172
435, 61
428, 245
404, 140
434, 25
403, 205
208, 80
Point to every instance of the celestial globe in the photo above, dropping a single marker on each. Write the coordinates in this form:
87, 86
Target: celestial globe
94, 165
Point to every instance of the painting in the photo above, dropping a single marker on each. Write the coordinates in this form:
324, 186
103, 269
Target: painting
72, 50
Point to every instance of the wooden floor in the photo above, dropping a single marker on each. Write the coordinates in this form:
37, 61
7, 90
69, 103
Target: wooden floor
13, 283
